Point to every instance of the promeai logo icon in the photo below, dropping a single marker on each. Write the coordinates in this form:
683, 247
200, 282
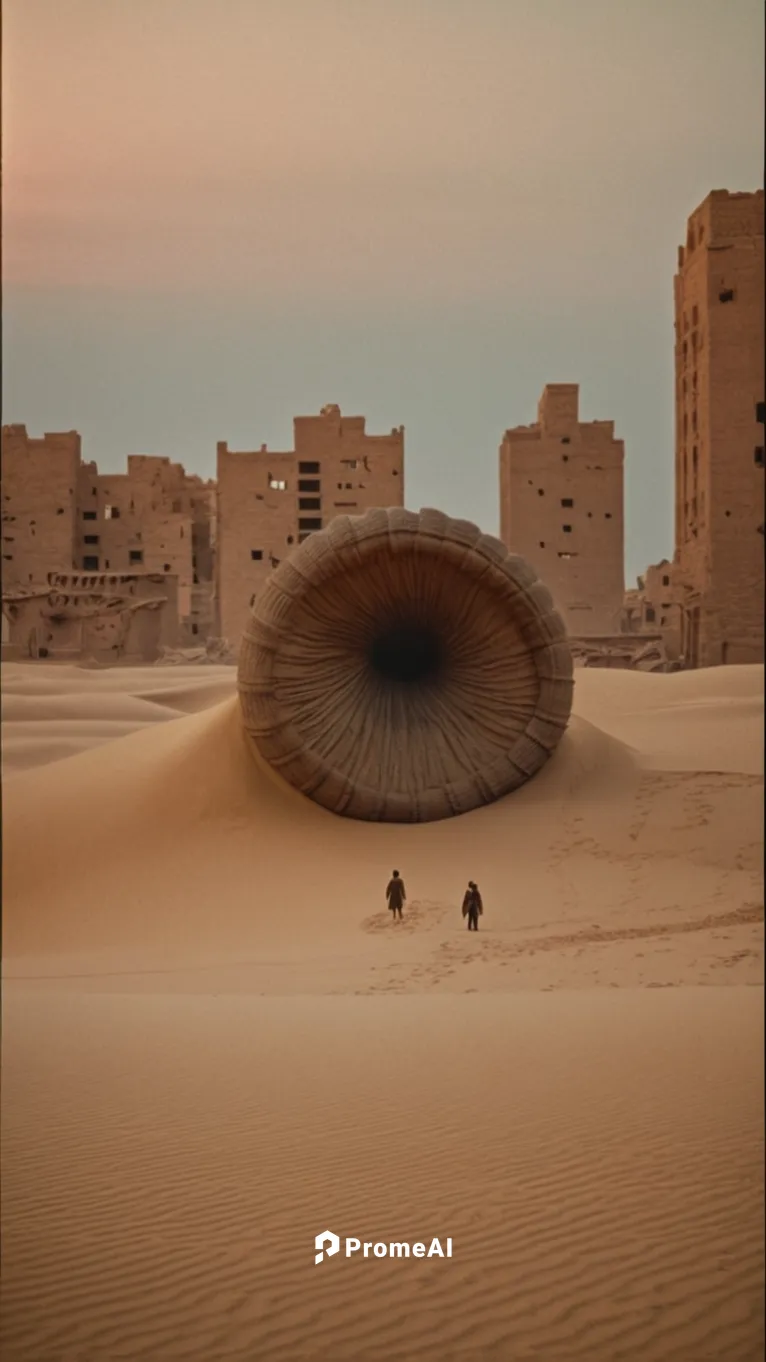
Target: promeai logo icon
326, 1242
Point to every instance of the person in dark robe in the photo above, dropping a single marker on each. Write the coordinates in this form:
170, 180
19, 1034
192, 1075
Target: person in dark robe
472, 906
396, 895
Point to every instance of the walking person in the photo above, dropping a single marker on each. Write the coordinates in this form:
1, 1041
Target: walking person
472, 906
396, 895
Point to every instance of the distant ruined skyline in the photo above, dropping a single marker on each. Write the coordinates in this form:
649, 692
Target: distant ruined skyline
422, 215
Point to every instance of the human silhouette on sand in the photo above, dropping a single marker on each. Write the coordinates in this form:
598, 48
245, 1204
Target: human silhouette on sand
396, 895
472, 906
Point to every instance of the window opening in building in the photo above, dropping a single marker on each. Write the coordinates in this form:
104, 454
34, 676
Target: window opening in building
195, 628
111, 513
649, 614
760, 413
541, 491
136, 555
89, 515
566, 439
567, 501
256, 555
166, 567
277, 484
666, 581
310, 523
759, 455
350, 463
309, 503
607, 515
565, 458
290, 539
90, 563
726, 295
567, 529
90, 539
308, 467
310, 485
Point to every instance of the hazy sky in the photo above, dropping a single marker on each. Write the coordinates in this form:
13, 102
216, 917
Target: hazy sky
220, 214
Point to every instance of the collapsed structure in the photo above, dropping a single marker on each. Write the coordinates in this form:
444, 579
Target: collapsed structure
106, 618
61, 515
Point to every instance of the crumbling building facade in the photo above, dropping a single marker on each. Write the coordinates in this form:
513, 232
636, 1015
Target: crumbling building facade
653, 606
39, 516
62, 515
106, 617
270, 501
156, 518
719, 469
561, 507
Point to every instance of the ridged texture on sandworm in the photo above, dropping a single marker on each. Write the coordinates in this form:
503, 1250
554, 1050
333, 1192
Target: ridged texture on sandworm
404, 667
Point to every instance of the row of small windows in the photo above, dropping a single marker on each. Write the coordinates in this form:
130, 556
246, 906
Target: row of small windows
91, 561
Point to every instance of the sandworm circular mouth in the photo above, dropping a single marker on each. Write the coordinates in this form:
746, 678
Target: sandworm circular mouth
404, 667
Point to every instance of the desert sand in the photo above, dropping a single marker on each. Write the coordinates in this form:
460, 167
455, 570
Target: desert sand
216, 1044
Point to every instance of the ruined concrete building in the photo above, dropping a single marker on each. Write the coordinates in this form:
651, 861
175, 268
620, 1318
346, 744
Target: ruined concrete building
653, 606
218, 542
270, 501
561, 507
62, 515
39, 517
719, 363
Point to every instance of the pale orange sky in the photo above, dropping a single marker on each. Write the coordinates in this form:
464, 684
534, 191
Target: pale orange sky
447, 147
422, 209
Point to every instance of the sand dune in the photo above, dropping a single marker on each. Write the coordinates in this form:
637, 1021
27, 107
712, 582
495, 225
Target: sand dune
597, 1163
217, 1044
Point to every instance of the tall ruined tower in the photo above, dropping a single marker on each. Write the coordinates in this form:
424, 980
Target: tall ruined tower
719, 363
561, 507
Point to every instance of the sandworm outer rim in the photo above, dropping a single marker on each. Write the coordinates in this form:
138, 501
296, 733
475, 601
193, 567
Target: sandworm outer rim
481, 557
